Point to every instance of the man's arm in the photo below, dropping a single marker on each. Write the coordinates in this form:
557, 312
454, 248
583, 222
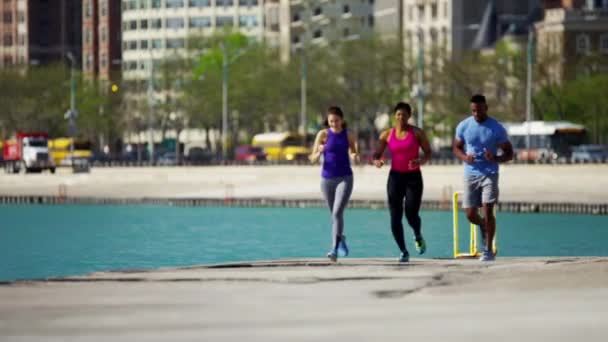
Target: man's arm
507, 153
458, 149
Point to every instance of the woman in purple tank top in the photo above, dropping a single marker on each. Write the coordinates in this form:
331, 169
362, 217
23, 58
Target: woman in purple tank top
405, 179
334, 144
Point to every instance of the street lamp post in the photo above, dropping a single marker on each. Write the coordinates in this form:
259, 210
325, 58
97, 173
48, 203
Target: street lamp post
71, 114
419, 91
224, 101
303, 119
530, 61
151, 102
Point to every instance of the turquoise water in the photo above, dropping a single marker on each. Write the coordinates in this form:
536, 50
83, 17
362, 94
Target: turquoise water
51, 241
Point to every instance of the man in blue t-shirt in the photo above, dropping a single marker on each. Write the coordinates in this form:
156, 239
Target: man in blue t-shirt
478, 139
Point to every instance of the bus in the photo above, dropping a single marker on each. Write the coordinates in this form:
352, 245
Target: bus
282, 146
549, 140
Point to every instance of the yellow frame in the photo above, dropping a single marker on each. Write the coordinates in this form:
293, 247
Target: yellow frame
473, 252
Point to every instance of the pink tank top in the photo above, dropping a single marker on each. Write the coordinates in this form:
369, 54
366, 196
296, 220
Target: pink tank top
403, 150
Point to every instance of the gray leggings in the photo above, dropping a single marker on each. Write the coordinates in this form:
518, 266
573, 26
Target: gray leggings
337, 192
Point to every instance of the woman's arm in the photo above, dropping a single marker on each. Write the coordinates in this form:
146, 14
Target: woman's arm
425, 145
317, 147
382, 142
354, 148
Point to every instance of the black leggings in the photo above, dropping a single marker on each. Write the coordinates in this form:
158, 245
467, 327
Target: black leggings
410, 186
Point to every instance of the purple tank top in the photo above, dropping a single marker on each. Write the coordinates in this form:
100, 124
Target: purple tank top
336, 162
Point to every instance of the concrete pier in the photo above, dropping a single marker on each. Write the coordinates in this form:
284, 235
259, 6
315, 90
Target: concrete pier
512, 299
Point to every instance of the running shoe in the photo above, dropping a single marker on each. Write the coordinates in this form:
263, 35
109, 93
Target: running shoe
405, 257
420, 245
487, 255
333, 255
342, 247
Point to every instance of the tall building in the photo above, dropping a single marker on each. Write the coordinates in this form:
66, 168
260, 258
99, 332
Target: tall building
101, 39
39, 31
320, 22
454, 25
571, 35
388, 18
154, 29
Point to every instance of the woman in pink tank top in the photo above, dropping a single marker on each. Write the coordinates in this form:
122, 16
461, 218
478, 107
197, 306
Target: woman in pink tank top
404, 141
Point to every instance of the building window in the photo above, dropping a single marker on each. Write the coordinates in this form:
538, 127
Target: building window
103, 34
143, 44
88, 10
248, 21
156, 43
132, 4
7, 17
445, 9
420, 12
143, 24
103, 61
133, 25
370, 20
224, 21
318, 11
89, 62
132, 45
412, 12
346, 9
156, 23
604, 43
224, 3
582, 44
200, 3
8, 40
174, 3
295, 39
434, 10
21, 16
248, 2
295, 18
175, 23
175, 43
143, 4
103, 7
87, 36
156, 4
317, 34
346, 32
200, 22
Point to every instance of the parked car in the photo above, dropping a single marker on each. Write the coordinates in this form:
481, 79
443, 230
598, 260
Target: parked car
200, 156
249, 153
589, 153
167, 159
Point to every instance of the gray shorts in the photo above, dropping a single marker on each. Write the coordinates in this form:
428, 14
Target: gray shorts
480, 190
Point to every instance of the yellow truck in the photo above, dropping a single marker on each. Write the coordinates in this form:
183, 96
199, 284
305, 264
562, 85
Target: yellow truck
282, 146
60, 151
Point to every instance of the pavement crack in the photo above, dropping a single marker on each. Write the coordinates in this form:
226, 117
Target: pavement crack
435, 281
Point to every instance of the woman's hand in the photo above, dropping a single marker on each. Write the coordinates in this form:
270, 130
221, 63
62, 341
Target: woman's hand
320, 148
415, 163
378, 163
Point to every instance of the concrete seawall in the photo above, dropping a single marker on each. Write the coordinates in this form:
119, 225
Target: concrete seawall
524, 188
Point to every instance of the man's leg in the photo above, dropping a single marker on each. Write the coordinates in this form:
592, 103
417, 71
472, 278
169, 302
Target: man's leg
489, 198
471, 200
489, 222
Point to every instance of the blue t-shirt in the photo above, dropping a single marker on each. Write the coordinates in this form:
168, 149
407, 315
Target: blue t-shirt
477, 137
